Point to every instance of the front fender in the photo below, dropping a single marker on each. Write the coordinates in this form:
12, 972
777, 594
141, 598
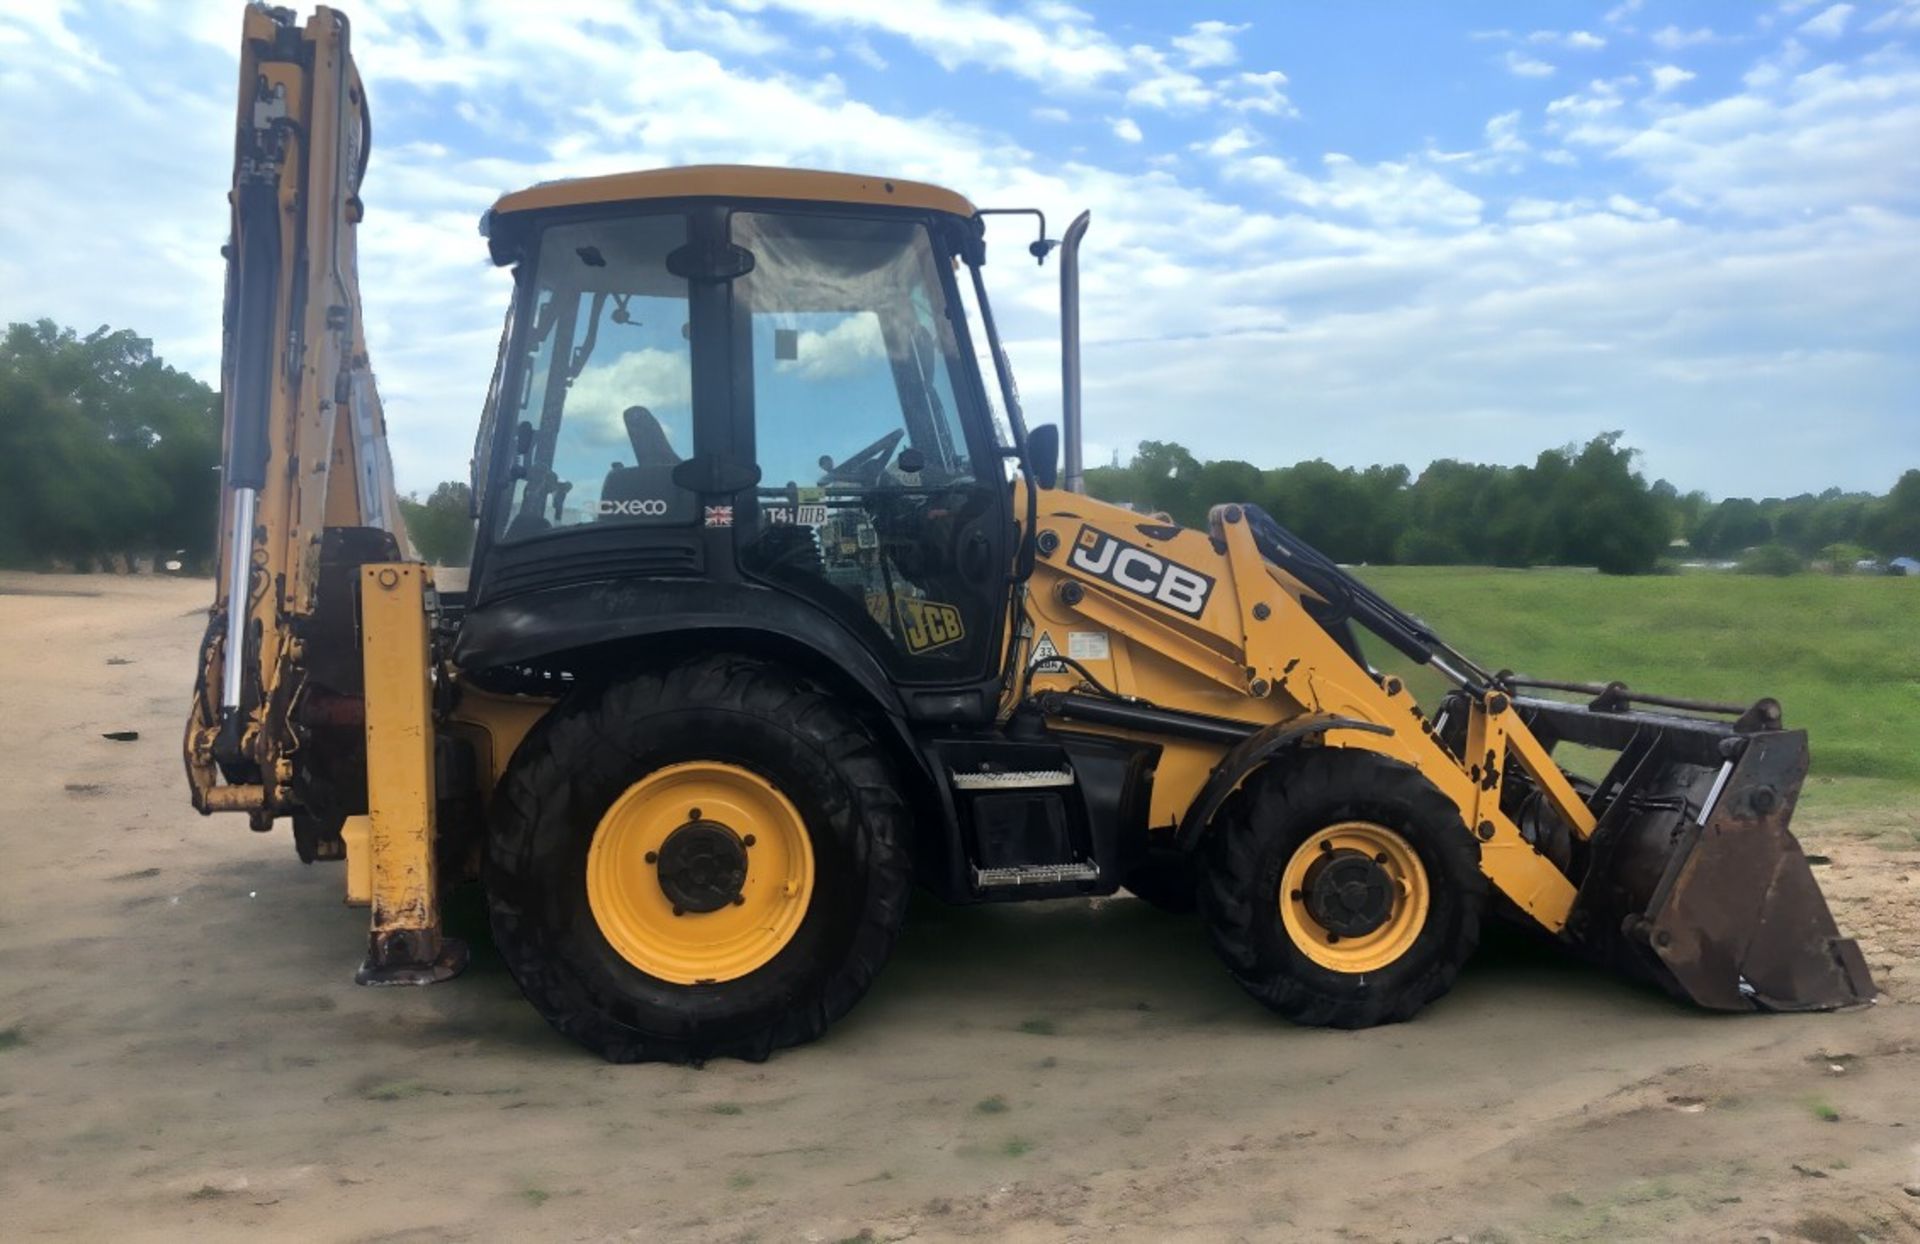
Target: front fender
1249, 754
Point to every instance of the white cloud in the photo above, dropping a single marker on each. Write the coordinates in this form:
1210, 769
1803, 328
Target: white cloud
1390, 193
1787, 146
848, 348
1672, 38
1621, 205
1209, 44
1231, 143
1829, 23
1125, 129
1056, 44
1502, 148
1523, 66
660, 380
1666, 77
1527, 210
1600, 97
1160, 85
865, 53
703, 25
1263, 92
1050, 114
1573, 40
1904, 15
1622, 11
1770, 70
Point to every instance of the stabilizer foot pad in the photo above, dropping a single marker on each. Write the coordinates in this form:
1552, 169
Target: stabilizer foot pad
390, 969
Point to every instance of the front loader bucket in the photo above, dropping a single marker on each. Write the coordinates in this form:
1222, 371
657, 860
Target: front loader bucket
1738, 922
1692, 879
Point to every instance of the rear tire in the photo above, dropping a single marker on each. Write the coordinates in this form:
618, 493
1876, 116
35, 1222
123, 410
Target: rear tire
1352, 805
718, 714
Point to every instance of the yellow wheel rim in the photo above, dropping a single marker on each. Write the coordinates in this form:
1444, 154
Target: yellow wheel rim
717, 842
1312, 897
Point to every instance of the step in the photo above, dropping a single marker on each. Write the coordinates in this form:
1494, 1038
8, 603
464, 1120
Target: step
1034, 874
1028, 779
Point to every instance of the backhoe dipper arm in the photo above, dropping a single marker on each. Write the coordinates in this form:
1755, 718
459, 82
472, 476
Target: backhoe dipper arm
304, 440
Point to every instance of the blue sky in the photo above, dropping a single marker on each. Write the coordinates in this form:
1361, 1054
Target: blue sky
1360, 232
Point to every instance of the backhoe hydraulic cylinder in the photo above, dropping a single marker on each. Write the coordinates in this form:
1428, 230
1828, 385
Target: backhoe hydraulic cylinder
239, 575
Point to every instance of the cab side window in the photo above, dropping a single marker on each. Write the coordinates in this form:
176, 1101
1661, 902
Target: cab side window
605, 408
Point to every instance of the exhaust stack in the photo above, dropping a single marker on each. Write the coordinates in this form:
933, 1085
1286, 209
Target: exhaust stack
1070, 349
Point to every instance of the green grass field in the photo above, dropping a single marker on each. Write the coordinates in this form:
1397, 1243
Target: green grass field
1842, 655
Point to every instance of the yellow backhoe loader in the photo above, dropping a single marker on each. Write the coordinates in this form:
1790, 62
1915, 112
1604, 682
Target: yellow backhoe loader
778, 606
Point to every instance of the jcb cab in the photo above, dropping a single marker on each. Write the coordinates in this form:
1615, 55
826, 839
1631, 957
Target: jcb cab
778, 606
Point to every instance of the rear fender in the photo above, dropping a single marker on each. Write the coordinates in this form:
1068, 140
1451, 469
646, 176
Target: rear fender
614, 626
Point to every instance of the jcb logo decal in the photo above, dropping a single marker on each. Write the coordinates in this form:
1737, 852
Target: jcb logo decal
927, 624
1144, 574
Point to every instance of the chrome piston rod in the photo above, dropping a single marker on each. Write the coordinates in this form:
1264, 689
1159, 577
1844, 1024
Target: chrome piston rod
239, 580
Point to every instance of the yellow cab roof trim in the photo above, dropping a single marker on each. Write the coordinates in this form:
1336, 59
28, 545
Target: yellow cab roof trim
734, 181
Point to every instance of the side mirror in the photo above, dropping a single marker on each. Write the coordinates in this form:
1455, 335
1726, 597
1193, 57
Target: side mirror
1043, 454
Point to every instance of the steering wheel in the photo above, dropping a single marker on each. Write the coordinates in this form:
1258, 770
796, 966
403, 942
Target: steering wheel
863, 468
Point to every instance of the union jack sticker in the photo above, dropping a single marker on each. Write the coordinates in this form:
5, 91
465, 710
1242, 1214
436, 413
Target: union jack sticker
719, 516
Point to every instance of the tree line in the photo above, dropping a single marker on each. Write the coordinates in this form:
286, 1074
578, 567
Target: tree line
106, 453
1581, 505
109, 456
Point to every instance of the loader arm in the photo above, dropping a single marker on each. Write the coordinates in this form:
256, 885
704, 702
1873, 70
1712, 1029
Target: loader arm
307, 488
1678, 867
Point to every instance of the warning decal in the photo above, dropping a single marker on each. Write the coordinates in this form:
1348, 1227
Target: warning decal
1089, 646
1046, 657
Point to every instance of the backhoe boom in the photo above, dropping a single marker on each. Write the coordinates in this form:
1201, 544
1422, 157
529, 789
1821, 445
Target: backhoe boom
305, 440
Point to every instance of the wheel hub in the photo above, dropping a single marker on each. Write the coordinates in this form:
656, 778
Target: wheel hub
702, 867
1348, 893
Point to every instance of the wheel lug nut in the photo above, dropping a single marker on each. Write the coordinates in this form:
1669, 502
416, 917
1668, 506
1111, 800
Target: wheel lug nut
1332, 938
1298, 896
1380, 858
653, 857
693, 814
679, 911
1326, 844
739, 900
747, 841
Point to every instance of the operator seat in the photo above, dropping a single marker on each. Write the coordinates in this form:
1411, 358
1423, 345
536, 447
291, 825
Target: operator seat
645, 491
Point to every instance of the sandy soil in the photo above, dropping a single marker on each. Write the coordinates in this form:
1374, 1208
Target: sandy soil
183, 1054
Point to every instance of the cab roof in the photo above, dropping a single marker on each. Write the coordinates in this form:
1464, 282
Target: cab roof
733, 181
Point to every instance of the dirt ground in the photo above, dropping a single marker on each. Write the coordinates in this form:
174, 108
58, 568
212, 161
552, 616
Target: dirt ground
183, 1054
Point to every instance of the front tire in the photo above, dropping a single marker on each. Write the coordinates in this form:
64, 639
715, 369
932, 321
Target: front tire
1344, 891
703, 862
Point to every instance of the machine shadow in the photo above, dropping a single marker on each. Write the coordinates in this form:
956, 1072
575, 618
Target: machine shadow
1070, 957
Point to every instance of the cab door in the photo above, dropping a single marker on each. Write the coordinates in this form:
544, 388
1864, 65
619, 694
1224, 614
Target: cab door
881, 498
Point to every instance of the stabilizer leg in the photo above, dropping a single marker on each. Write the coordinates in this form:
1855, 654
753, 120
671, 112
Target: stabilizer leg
406, 945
